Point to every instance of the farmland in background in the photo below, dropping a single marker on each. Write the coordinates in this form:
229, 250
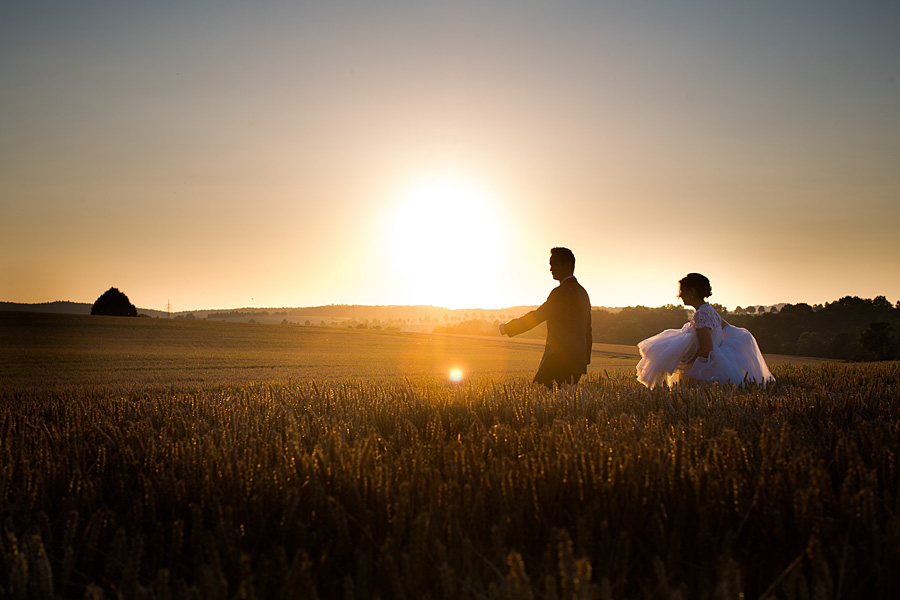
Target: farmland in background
45, 350
42, 351
145, 458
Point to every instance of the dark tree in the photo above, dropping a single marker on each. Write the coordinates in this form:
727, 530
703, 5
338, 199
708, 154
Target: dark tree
881, 303
114, 303
844, 345
797, 309
810, 344
880, 341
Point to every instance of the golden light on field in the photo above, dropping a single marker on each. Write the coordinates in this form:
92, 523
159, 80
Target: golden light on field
446, 242
456, 374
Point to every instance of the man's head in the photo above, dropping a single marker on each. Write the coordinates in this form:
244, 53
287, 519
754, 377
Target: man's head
562, 263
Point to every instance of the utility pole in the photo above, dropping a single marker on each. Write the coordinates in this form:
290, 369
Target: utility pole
168, 309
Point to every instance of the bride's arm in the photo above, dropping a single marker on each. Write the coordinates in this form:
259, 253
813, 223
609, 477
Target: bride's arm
704, 339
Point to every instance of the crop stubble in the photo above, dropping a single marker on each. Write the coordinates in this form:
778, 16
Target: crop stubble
398, 486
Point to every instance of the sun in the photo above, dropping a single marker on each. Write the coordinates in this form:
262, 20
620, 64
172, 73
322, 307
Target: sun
455, 375
447, 242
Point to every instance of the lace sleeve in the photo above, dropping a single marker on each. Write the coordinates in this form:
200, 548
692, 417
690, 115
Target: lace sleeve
705, 316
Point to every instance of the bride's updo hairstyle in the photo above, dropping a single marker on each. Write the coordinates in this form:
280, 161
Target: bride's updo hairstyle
697, 282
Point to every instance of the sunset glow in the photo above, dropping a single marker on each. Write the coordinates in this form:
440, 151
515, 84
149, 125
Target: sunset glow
299, 154
446, 242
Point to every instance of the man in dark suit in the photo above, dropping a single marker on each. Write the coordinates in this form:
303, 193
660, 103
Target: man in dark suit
567, 312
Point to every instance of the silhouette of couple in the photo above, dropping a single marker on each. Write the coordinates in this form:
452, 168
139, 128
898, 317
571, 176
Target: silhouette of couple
707, 349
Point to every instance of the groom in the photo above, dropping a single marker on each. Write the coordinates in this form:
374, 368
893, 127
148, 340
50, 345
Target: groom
567, 311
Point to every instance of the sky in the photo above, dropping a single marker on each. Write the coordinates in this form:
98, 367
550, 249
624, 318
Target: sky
220, 154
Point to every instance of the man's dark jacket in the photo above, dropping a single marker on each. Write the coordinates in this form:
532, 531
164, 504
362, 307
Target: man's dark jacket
567, 352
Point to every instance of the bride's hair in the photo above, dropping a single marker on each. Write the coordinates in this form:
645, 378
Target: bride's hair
697, 282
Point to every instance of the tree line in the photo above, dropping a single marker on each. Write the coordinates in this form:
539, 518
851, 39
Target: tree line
851, 328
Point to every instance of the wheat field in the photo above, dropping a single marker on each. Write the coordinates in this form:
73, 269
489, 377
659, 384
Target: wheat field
172, 480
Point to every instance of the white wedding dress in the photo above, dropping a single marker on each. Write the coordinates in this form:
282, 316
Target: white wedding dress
735, 357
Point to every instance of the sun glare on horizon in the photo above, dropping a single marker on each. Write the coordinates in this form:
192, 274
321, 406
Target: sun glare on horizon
447, 243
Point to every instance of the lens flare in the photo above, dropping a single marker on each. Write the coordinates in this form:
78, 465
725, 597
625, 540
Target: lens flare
455, 374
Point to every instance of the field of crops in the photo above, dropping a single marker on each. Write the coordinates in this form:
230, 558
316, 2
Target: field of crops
140, 460
44, 351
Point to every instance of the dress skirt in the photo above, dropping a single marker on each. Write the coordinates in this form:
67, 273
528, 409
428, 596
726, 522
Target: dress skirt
665, 359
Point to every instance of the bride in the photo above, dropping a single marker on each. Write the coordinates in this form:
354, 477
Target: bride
707, 349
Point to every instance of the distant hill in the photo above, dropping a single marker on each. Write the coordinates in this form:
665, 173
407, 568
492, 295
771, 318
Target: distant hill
69, 308
337, 314
331, 312
315, 314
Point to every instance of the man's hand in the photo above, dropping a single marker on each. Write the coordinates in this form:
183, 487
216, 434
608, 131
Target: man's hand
502, 328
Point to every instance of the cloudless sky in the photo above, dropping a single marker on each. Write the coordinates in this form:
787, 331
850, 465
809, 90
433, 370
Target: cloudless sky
227, 154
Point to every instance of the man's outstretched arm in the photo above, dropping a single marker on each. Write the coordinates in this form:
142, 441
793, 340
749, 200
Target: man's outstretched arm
527, 321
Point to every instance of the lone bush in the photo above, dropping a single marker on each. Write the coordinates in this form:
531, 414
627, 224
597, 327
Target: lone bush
114, 303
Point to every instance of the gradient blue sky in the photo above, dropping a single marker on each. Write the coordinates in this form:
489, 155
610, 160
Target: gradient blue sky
228, 154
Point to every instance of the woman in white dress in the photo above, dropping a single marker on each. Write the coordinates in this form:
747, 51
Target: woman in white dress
707, 349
